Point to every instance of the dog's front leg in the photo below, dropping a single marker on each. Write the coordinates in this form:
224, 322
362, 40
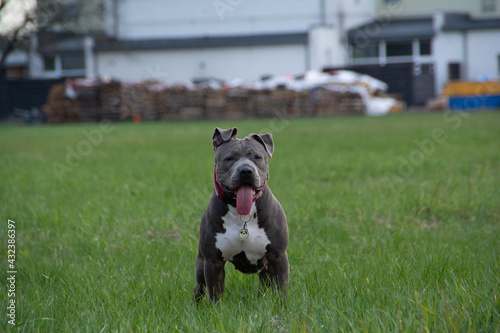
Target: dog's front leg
276, 273
214, 278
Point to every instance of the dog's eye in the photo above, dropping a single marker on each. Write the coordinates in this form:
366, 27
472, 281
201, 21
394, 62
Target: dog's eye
256, 157
230, 158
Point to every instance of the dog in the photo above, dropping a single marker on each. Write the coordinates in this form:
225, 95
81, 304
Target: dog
243, 223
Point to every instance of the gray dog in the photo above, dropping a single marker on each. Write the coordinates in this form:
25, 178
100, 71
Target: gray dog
243, 223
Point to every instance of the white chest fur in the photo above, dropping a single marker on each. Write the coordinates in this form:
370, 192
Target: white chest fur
230, 243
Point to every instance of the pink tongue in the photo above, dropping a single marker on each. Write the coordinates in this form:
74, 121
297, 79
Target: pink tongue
244, 199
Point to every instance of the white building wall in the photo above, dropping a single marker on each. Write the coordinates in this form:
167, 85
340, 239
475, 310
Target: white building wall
476, 50
157, 19
483, 51
355, 12
225, 63
325, 48
447, 47
182, 18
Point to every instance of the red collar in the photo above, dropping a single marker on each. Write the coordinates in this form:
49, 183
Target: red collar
218, 187
228, 198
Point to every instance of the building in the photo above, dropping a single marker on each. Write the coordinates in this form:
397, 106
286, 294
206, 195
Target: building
411, 8
63, 43
416, 48
180, 40
466, 48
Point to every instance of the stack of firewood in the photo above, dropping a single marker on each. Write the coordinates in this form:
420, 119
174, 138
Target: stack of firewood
237, 103
328, 102
215, 103
170, 101
59, 107
110, 98
152, 101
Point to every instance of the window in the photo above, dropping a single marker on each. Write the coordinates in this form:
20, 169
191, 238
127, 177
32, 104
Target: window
365, 51
453, 71
68, 64
399, 49
424, 69
73, 60
49, 63
425, 47
488, 6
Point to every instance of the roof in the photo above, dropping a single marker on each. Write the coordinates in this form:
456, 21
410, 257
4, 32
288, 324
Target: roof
197, 42
404, 29
57, 42
393, 30
463, 22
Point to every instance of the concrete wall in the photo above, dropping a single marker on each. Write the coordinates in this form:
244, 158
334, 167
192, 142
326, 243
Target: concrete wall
446, 47
181, 18
325, 48
226, 63
156, 19
483, 51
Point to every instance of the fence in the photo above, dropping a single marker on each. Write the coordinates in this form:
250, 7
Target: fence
23, 94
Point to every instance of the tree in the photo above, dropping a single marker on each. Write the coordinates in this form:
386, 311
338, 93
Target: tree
19, 32
42, 15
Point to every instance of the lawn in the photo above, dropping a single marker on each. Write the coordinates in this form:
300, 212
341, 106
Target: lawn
394, 226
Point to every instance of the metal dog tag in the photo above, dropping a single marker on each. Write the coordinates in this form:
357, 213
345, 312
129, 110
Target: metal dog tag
244, 230
243, 233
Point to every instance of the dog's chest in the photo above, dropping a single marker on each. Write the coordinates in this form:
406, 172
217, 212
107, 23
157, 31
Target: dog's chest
230, 242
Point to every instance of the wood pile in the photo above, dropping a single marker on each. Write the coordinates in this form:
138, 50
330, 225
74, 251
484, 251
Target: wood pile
110, 100
139, 100
192, 104
215, 103
349, 104
59, 107
170, 101
90, 106
130, 101
282, 101
302, 106
328, 102
237, 103
153, 101
259, 105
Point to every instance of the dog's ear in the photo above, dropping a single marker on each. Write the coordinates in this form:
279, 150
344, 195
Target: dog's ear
221, 135
266, 140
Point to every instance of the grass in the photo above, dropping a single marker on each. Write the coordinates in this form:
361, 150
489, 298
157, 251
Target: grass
109, 245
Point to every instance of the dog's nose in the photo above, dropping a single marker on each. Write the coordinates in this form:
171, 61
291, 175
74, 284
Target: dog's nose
246, 172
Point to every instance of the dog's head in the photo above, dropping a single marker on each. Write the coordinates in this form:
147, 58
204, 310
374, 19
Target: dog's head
242, 164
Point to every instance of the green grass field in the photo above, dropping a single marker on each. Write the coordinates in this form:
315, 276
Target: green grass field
394, 226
